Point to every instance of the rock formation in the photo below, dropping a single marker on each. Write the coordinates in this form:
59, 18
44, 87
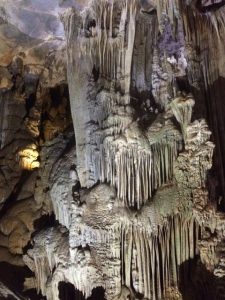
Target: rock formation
112, 170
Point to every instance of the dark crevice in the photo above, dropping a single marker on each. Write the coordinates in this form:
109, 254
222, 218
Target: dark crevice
52, 99
209, 105
198, 283
13, 277
98, 293
183, 84
151, 12
55, 94
95, 73
30, 102
91, 23
67, 291
10, 201
44, 222
214, 5
145, 107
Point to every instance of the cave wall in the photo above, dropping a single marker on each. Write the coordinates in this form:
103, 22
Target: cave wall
112, 152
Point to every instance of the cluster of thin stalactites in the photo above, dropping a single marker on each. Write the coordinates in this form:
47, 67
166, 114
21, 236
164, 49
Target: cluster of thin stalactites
150, 262
137, 173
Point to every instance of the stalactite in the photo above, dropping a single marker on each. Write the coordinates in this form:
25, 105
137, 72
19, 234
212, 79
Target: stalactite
143, 251
159, 255
62, 212
109, 51
42, 272
136, 173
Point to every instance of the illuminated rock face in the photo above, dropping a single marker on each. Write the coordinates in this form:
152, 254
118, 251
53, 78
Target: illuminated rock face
126, 177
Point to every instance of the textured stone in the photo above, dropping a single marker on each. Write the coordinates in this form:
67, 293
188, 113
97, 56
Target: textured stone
108, 128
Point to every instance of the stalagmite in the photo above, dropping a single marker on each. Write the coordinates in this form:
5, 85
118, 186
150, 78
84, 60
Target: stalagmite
182, 109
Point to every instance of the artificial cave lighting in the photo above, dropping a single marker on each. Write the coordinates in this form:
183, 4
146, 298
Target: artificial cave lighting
28, 157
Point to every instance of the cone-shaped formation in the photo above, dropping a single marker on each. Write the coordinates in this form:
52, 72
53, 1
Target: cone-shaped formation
182, 110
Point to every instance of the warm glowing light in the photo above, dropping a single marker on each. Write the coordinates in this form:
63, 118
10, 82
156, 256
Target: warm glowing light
28, 157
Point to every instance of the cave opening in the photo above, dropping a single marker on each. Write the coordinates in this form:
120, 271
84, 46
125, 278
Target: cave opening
67, 291
198, 283
56, 113
98, 293
13, 277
